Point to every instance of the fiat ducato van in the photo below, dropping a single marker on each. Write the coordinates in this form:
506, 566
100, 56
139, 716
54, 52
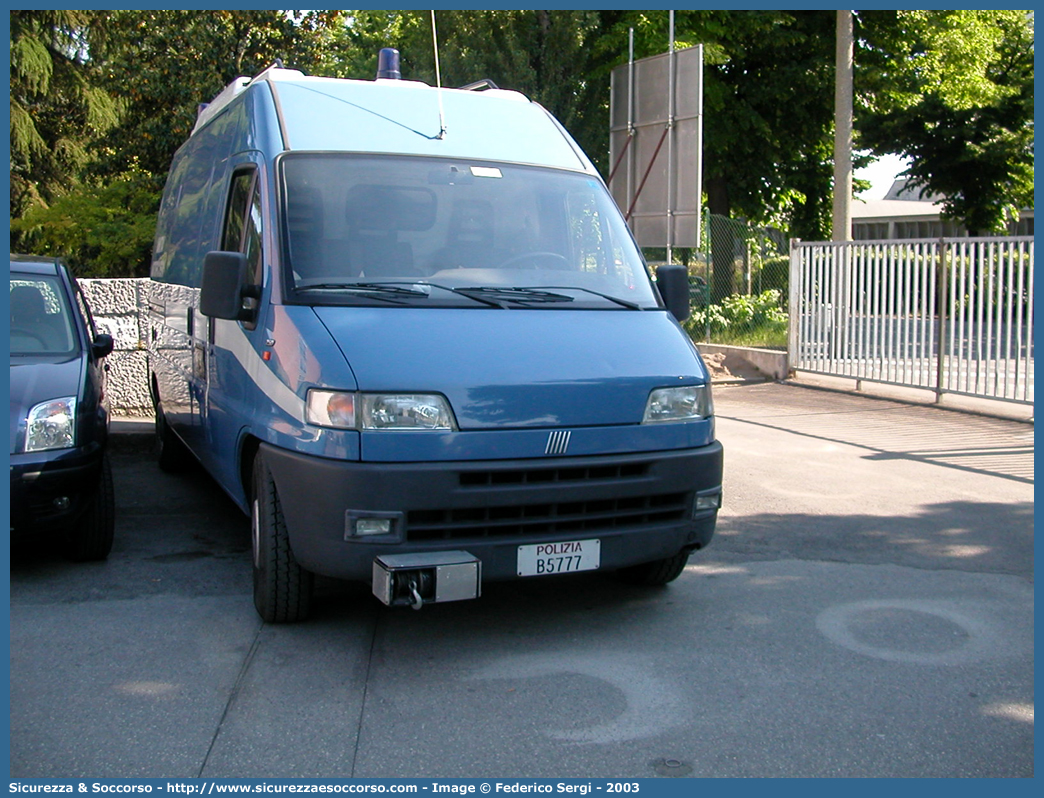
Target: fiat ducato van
408, 331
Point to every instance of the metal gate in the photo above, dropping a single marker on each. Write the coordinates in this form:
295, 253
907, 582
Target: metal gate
951, 315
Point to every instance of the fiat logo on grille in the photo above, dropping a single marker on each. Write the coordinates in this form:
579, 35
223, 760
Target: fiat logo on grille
558, 442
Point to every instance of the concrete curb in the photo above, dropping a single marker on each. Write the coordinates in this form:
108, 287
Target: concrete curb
132, 433
770, 362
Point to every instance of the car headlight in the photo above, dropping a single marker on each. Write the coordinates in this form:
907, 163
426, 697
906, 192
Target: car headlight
687, 403
378, 411
51, 425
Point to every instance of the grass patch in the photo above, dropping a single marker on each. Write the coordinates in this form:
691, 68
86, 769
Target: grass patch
741, 320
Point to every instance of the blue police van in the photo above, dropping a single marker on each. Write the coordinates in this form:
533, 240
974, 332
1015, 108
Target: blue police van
408, 331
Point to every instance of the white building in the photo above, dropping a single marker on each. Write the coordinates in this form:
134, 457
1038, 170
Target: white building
909, 214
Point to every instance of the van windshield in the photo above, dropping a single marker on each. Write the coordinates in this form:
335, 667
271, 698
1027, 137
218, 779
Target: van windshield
437, 232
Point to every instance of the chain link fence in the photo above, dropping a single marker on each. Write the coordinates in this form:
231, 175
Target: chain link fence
738, 283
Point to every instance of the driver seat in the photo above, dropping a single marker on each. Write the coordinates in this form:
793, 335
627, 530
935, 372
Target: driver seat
469, 242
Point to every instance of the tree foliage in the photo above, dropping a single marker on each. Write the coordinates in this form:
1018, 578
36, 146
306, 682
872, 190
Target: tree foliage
769, 114
163, 64
103, 228
56, 109
157, 67
953, 92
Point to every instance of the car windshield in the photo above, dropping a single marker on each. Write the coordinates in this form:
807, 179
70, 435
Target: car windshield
41, 323
434, 232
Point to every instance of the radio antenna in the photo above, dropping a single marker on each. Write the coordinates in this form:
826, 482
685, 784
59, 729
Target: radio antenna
438, 77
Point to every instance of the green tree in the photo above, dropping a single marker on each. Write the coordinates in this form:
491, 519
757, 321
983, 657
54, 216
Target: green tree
103, 228
97, 195
164, 64
55, 108
953, 92
769, 114
352, 48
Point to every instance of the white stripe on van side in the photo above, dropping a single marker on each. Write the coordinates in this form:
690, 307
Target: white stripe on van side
263, 376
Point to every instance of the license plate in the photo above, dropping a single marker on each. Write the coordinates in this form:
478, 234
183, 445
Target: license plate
565, 557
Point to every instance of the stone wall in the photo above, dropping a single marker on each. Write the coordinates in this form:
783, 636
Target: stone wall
120, 308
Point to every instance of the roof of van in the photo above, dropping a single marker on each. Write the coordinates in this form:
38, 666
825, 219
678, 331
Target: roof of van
402, 116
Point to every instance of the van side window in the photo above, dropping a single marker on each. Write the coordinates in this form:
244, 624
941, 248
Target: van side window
183, 240
252, 236
232, 236
242, 230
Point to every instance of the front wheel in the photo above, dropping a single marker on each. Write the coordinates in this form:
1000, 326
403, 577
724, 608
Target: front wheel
282, 588
657, 572
91, 539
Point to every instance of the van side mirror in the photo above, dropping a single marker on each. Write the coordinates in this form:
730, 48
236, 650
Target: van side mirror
224, 285
672, 281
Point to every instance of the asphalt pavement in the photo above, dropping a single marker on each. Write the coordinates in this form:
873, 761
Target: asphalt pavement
866, 609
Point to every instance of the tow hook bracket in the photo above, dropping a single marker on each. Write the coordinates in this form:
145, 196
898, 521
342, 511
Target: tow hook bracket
426, 578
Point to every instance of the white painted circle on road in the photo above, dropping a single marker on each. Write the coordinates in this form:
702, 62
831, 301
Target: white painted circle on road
911, 630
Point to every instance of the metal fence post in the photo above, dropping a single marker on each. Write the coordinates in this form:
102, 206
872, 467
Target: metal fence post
941, 338
794, 304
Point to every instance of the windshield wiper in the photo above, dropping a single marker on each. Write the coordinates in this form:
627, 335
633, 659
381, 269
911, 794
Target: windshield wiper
521, 295
387, 292
391, 291
492, 295
542, 293
624, 302
382, 288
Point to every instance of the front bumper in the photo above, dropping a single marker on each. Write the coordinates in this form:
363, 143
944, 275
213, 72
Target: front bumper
641, 507
51, 490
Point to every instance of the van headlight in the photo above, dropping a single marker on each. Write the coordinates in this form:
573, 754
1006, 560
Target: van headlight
378, 411
51, 425
687, 403
405, 411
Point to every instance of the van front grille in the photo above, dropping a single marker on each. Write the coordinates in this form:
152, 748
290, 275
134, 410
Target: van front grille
538, 476
513, 521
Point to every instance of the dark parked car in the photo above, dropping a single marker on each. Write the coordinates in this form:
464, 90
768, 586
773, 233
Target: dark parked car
61, 482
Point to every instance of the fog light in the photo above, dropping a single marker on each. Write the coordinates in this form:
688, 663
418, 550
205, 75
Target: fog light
709, 501
364, 524
62, 503
373, 526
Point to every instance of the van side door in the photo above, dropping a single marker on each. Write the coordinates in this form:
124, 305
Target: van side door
231, 345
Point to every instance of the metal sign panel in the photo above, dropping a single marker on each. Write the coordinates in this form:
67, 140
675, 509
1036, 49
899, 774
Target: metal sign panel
655, 145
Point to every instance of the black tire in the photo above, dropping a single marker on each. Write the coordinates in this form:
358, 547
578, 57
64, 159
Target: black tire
91, 539
657, 572
171, 453
282, 588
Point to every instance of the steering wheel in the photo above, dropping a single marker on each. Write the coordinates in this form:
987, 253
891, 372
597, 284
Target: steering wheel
560, 261
22, 331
